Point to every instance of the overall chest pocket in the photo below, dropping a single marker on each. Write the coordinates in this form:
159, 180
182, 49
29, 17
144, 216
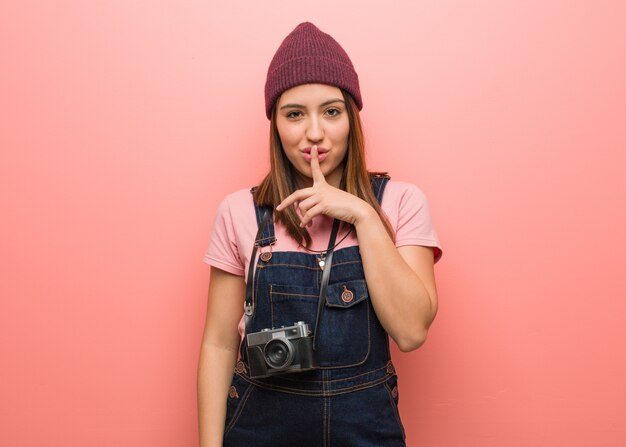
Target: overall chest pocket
344, 332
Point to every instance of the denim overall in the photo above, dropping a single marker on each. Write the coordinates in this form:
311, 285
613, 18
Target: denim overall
352, 399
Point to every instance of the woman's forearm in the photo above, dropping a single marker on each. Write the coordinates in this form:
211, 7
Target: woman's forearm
215, 372
400, 299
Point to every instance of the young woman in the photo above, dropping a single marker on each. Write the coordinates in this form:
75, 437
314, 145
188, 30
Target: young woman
326, 260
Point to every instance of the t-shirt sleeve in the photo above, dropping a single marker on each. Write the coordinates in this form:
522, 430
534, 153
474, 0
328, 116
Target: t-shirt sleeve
222, 251
415, 225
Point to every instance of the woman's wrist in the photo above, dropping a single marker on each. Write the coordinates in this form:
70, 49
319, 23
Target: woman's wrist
364, 214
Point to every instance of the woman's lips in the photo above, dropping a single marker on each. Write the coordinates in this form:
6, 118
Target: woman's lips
320, 156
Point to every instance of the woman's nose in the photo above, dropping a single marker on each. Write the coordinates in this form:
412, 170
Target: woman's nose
315, 132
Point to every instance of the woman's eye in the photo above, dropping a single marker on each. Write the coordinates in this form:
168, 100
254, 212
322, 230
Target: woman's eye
292, 115
333, 112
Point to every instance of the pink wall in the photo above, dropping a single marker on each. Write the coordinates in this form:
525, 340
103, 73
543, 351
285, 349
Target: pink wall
124, 124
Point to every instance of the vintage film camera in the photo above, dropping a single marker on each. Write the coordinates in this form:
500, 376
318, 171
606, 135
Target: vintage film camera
281, 350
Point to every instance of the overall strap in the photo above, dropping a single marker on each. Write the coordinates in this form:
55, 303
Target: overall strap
267, 234
249, 306
379, 181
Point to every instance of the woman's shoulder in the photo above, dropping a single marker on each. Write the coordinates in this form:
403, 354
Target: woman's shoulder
401, 184
399, 190
237, 208
237, 199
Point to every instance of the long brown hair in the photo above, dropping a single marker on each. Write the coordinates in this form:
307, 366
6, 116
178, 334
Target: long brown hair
282, 180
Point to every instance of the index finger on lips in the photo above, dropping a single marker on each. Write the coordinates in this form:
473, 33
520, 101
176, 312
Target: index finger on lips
316, 171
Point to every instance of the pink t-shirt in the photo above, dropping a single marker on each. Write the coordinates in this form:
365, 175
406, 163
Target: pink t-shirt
235, 227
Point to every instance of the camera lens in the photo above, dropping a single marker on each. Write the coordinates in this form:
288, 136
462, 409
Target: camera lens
278, 353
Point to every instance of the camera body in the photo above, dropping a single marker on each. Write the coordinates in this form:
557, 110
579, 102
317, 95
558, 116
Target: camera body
281, 350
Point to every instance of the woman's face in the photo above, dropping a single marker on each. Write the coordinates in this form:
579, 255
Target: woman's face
314, 114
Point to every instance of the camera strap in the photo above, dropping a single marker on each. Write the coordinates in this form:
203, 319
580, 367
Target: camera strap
328, 260
249, 306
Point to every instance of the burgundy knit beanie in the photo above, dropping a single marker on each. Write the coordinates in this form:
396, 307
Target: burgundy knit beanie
309, 56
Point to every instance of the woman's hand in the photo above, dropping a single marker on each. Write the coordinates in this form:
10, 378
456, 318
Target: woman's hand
323, 198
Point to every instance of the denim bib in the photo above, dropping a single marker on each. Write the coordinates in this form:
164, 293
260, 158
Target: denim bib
355, 372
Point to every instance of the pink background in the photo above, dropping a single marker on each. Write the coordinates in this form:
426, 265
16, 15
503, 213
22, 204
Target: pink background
124, 123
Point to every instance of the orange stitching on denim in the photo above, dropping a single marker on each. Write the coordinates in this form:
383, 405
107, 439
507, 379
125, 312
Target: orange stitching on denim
353, 302
264, 238
369, 347
294, 294
309, 267
292, 265
238, 410
325, 419
317, 393
334, 380
278, 286
328, 423
342, 391
358, 388
324, 423
395, 408
327, 399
